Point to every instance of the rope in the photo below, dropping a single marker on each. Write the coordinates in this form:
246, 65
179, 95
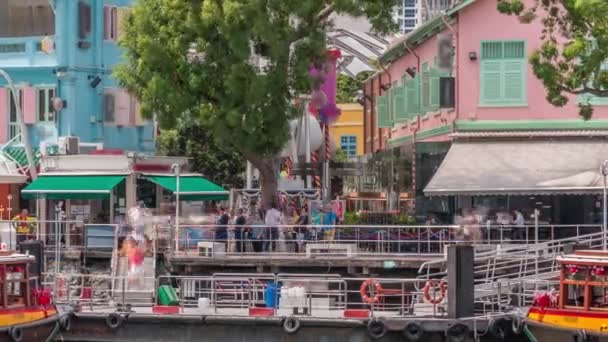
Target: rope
529, 334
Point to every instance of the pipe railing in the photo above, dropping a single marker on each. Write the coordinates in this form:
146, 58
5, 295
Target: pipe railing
362, 239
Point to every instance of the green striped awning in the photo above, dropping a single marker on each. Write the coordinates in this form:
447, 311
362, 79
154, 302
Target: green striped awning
192, 188
19, 155
71, 187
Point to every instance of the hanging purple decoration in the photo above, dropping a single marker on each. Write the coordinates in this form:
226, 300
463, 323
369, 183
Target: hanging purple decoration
329, 113
324, 98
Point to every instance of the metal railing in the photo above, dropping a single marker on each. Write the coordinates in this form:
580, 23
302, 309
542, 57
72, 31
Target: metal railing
235, 294
319, 296
516, 262
362, 239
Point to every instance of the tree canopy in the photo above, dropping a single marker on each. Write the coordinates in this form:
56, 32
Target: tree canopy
235, 65
574, 51
349, 86
191, 139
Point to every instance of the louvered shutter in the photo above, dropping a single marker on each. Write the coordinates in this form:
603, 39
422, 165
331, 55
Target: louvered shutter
29, 105
84, 19
425, 89
400, 104
434, 75
491, 80
109, 107
382, 113
107, 23
123, 108
413, 97
513, 81
3, 115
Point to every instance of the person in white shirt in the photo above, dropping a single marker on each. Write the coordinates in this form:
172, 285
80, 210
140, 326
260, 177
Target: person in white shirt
273, 220
519, 230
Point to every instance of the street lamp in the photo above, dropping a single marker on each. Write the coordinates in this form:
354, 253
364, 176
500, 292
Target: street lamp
176, 171
24, 134
604, 172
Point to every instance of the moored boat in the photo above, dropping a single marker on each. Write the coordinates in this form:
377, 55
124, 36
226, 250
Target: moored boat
26, 311
579, 309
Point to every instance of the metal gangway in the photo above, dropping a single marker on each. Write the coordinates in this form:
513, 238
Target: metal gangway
507, 267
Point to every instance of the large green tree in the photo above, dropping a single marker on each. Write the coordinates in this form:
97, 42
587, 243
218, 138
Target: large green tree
192, 140
349, 86
574, 47
236, 65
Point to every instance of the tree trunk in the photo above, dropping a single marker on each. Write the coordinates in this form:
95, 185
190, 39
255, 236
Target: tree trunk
269, 182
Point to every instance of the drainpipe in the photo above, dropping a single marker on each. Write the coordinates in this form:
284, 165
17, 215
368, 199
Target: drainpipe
415, 55
456, 64
390, 84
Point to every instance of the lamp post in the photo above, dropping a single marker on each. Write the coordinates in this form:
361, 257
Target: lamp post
604, 172
24, 134
9, 197
176, 171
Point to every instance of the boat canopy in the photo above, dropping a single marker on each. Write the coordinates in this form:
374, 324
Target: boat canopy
72, 187
481, 168
191, 187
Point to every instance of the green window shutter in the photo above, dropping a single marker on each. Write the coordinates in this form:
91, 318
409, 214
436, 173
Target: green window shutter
425, 94
400, 105
514, 81
503, 73
382, 114
393, 104
413, 97
589, 98
434, 89
490, 81
491, 50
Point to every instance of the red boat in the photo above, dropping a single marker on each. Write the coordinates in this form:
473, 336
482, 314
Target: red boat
26, 311
580, 309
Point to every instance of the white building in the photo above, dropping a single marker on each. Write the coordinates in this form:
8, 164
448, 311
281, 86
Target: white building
412, 13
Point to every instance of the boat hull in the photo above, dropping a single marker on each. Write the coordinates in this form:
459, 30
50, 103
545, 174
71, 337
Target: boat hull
35, 324
552, 323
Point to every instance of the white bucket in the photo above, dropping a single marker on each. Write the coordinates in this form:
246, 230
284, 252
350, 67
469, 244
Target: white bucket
203, 303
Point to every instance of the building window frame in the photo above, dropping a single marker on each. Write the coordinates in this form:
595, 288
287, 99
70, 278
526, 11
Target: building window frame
13, 125
348, 144
501, 71
44, 104
110, 23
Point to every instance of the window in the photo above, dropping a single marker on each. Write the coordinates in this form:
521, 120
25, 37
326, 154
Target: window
109, 23
503, 73
348, 144
592, 99
19, 18
410, 13
113, 17
409, 3
13, 125
410, 22
44, 99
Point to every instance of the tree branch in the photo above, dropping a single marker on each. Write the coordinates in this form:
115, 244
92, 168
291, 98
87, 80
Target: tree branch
586, 90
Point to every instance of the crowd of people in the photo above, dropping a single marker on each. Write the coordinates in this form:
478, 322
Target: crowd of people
273, 229
475, 225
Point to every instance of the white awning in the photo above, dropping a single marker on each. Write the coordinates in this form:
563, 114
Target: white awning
520, 168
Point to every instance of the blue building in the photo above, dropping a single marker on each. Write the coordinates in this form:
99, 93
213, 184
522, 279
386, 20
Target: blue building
67, 49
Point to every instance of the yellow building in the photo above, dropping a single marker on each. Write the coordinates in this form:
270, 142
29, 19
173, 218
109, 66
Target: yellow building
348, 130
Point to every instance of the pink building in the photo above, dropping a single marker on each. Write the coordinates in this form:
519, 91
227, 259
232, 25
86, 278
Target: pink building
477, 130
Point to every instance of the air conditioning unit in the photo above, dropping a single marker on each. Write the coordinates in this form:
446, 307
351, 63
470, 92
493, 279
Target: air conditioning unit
69, 145
72, 145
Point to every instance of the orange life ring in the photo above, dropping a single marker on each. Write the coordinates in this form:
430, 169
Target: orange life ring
363, 290
436, 299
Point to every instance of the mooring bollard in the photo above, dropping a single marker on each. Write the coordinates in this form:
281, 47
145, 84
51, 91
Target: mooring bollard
461, 286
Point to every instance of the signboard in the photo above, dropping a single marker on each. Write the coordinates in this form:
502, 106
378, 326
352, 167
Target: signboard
99, 236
